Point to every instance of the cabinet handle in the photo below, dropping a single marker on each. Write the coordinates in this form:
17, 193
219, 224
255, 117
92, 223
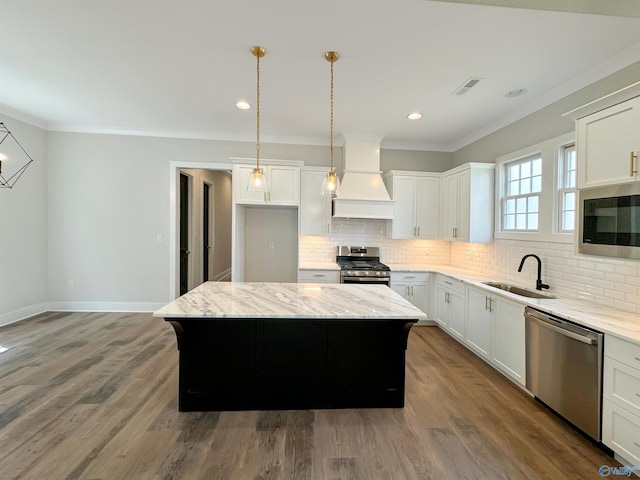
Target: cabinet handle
486, 303
319, 275
448, 283
632, 157
491, 300
327, 228
412, 290
418, 231
409, 276
446, 297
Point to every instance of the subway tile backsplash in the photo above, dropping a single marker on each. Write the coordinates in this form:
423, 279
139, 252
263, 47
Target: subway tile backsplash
372, 233
609, 282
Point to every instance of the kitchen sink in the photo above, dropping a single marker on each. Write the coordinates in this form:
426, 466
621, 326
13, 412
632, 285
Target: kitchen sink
518, 290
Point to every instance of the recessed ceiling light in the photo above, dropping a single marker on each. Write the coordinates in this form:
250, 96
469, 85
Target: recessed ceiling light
242, 105
414, 116
515, 93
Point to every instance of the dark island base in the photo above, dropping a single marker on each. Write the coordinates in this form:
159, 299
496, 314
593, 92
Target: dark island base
290, 364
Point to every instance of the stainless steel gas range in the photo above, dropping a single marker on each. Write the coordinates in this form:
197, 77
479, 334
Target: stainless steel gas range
362, 265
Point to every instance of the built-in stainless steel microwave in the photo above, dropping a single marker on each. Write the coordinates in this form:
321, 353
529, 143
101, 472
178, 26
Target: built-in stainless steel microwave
609, 221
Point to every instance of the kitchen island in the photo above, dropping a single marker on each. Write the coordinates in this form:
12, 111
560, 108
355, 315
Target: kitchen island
261, 346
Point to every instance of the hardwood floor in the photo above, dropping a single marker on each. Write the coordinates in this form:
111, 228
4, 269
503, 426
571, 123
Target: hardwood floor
94, 396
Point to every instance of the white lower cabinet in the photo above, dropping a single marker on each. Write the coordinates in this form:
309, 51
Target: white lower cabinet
478, 326
508, 346
318, 276
413, 286
621, 398
450, 305
495, 331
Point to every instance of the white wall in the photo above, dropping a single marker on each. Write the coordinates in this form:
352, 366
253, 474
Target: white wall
23, 227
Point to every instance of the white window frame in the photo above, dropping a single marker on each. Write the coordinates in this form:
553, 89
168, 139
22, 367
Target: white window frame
563, 188
525, 197
547, 202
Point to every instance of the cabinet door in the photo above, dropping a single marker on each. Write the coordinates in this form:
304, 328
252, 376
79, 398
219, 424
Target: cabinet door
427, 204
284, 185
508, 338
315, 208
478, 327
464, 206
401, 288
605, 143
420, 295
450, 207
456, 315
442, 306
241, 174
404, 217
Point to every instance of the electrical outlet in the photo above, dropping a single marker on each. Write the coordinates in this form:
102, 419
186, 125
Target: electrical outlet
272, 246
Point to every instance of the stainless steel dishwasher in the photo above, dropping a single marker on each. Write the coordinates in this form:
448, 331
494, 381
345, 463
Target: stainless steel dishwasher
564, 369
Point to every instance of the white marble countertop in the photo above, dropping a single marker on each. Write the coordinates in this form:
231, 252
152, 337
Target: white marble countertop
318, 266
608, 320
290, 300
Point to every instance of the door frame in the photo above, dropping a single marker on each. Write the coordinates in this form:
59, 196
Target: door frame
174, 230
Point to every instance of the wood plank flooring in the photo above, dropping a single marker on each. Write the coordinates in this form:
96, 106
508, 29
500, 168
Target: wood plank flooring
94, 396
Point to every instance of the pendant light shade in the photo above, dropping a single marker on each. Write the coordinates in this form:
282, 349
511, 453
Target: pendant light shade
331, 185
14, 159
258, 179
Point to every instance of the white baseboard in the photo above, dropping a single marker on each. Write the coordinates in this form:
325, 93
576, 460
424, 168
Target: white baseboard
104, 306
30, 311
22, 313
222, 275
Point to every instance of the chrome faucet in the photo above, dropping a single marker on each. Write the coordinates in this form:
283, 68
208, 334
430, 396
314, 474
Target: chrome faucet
539, 284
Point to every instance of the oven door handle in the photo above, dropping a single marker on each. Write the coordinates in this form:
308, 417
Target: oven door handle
365, 279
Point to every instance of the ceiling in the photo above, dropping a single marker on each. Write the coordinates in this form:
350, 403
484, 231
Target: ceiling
177, 67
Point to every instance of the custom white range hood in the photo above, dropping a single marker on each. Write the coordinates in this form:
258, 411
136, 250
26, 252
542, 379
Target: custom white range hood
362, 191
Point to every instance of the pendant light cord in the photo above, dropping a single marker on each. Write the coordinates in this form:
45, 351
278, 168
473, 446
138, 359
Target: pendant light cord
331, 125
258, 111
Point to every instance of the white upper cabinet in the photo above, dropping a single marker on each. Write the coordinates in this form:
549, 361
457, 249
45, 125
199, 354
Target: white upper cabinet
416, 197
283, 185
315, 208
608, 145
467, 203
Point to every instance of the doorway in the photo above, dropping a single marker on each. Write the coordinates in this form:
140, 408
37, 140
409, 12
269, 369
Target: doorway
206, 230
203, 227
184, 233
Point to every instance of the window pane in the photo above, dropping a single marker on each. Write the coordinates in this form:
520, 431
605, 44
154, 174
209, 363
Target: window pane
521, 205
571, 179
514, 188
536, 184
533, 221
525, 170
514, 172
511, 206
568, 220
521, 221
536, 167
532, 204
525, 185
509, 222
569, 201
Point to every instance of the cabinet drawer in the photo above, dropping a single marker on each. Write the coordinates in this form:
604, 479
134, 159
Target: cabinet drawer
451, 284
621, 385
621, 431
318, 276
622, 350
410, 276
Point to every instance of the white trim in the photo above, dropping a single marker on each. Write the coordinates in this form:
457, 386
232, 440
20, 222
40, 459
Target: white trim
547, 197
22, 313
138, 307
222, 275
174, 168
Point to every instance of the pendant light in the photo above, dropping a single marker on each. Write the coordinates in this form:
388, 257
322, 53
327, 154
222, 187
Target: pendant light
258, 179
12, 153
331, 185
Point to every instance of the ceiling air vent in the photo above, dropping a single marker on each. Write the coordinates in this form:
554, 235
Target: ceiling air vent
466, 86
